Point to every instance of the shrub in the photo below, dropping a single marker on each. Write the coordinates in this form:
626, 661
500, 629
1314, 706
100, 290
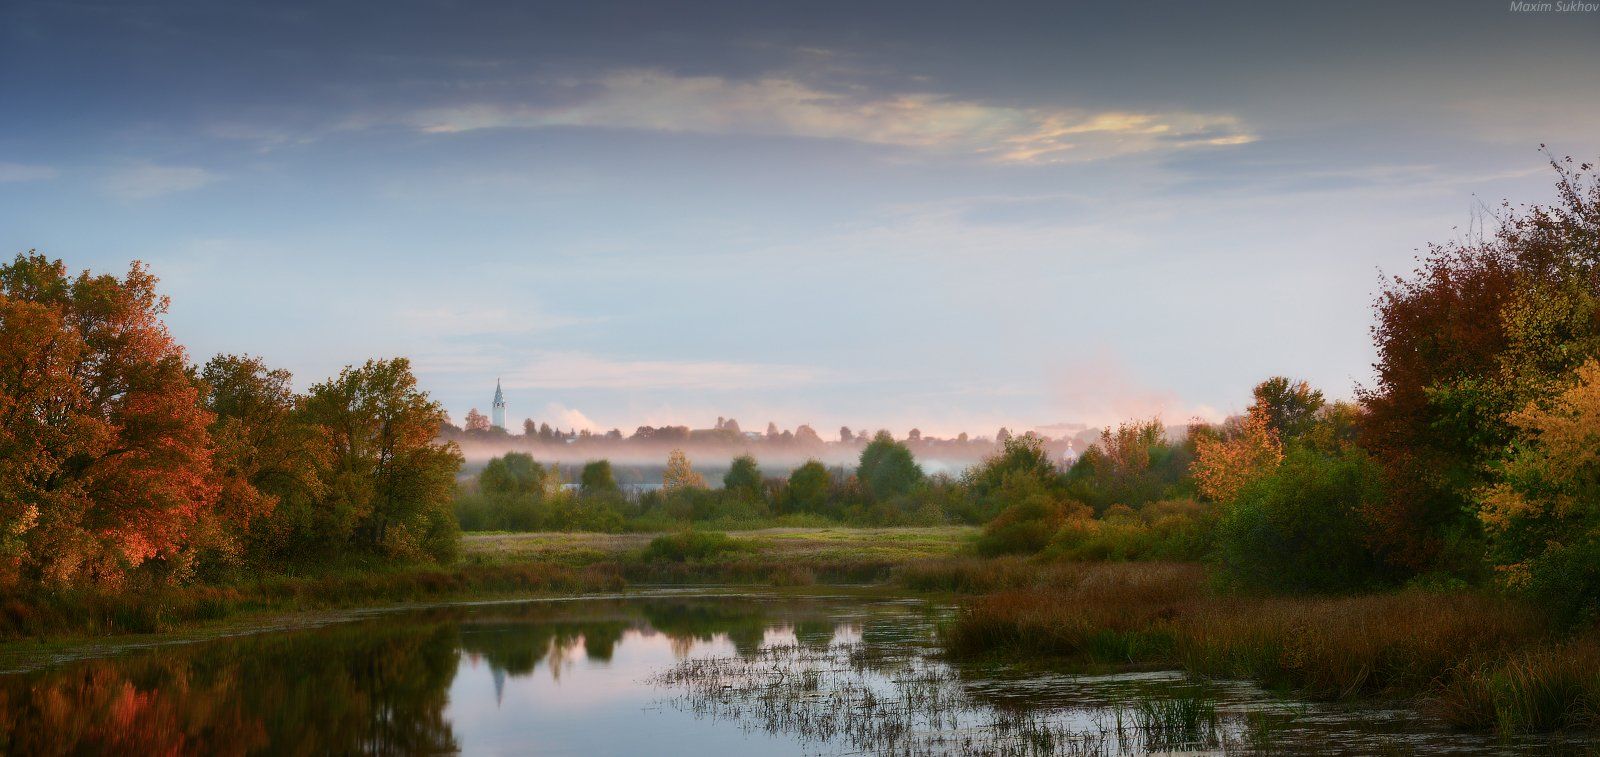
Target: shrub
1299, 528
684, 546
1032, 518
1165, 530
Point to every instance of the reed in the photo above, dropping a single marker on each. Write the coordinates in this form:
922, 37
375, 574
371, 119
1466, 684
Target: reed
1486, 661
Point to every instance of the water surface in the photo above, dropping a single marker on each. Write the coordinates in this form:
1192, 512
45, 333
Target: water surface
666, 674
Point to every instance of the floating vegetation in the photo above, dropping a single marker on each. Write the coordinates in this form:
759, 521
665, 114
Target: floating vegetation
862, 698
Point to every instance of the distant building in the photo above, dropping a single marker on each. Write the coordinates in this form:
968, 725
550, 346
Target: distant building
1069, 455
498, 414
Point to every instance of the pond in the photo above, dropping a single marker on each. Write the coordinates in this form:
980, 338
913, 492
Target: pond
667, 673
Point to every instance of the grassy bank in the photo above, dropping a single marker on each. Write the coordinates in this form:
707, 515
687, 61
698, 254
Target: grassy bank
492, 566
1481, 661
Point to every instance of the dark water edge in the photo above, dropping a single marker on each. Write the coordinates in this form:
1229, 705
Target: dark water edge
679, 672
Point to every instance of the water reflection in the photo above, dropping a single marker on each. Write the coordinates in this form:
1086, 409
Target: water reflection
658, 675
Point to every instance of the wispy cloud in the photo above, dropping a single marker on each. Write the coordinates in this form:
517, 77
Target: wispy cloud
578, 370
143, 181
582, 370
471, 320
19, 172
658, 101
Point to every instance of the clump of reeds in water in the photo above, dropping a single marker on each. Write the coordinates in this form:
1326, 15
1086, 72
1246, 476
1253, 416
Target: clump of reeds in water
1547, 687
866, 699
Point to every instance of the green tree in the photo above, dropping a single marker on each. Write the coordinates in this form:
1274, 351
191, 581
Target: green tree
597, 480
1023, 456
743, 479
390, 480
807, 491
271, 465
1289, 407
1300, 527
887, 468
515, 473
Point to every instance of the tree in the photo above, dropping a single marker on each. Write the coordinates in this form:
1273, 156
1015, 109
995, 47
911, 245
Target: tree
477, 421
807, 491
388, 476
680, 475
1289, 407
807, 435
1032, 516
845, 436
513, 474
270, 465
105, 459
1543, 515
529, 428
1224, 464
1023, 456
1481, 328
597, 480
1300, 527
887, 468
743, 479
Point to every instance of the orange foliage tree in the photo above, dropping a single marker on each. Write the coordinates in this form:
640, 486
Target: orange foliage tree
105, 462
1247, 450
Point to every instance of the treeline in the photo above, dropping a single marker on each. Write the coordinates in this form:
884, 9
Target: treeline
121, 462
724, 438
515, 492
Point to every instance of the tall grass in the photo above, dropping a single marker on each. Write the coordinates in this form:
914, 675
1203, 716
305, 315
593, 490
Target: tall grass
1487, 661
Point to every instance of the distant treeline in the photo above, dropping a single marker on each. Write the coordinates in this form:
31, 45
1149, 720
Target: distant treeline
726, 440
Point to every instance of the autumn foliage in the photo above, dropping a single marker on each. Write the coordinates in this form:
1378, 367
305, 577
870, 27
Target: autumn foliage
118, 459
1481, 328
105, 457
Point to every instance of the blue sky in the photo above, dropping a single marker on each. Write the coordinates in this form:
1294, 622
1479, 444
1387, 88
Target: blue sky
954, 216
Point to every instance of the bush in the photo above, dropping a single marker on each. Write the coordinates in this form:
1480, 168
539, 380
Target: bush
1299, 528
1181, 530
1028, 524
684, 546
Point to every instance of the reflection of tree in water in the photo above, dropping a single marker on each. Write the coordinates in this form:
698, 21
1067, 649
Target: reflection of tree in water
517, 648
365, 688
689, 622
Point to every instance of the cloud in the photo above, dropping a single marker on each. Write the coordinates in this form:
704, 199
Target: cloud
467, 320
1100, 389
564, 417
653, 100
19, 172
143, 181
577, 370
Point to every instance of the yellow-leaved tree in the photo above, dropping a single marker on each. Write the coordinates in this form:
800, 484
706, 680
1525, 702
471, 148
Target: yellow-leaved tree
1542, 516
680, 474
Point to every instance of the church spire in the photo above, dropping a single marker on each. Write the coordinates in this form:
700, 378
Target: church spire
498, 413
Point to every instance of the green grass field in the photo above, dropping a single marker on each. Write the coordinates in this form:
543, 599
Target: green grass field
802, 544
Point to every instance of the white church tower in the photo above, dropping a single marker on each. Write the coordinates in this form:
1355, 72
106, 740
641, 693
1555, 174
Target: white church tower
498, 414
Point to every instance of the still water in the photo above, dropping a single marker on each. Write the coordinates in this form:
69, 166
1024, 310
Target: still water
661, 674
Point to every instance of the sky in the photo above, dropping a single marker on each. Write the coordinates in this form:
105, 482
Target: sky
953, 216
